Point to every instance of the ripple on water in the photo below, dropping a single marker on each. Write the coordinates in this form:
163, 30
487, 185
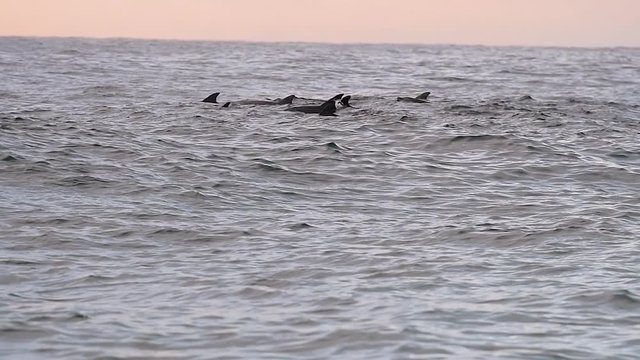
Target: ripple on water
497, 220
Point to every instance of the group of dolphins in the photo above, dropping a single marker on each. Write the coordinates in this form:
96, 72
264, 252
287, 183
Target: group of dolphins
325, 108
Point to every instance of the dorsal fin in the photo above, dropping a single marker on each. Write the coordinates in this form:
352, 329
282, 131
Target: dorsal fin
226, 105
336, 98
287, 100
328, 108
423, 96
345, 101
212, 98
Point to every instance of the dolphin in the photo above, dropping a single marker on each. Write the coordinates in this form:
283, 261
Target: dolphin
328, 108
213, 98
422, 98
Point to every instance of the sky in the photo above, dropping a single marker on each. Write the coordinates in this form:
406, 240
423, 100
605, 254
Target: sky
585, 23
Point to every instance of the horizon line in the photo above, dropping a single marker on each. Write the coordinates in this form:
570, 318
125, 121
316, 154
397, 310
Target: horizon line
346, 43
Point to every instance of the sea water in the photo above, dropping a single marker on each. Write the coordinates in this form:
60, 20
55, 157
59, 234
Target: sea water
498, 220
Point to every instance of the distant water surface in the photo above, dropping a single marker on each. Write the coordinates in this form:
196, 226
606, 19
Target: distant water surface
500, 220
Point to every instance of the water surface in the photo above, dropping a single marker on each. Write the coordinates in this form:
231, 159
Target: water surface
500, 220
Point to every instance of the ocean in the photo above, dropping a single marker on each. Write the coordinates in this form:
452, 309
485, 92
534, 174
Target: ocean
500, 219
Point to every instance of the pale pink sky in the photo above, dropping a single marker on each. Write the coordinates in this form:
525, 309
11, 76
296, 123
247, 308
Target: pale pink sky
490, 22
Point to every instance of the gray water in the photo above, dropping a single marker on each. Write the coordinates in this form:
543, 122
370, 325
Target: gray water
500, 220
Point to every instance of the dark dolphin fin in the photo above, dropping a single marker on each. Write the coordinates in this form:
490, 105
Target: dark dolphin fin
328, 108
287, 100
423, 96
226, 105
335, 98
345, 101
212, 98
